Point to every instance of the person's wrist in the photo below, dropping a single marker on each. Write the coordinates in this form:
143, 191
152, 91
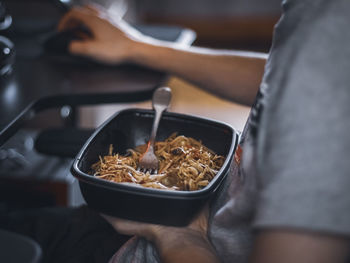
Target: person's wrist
181, 243
138, 51
198, 248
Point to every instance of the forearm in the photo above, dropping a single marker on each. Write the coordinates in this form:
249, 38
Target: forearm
289, 246
233, 75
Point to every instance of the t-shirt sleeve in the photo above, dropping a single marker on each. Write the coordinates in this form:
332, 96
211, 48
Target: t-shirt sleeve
304, 149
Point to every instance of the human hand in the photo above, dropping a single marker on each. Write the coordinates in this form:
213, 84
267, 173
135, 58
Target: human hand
110, 40
174, 244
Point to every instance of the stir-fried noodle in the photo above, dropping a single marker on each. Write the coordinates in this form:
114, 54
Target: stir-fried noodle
184, 164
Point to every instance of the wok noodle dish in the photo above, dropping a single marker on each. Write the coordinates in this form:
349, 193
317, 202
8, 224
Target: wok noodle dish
184, 164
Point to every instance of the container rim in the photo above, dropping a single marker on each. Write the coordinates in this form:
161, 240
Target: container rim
130, 188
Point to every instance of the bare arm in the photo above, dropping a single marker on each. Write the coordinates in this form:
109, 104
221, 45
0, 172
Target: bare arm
276, 246
233, 75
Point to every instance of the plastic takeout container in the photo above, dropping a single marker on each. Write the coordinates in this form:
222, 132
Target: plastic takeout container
130, 128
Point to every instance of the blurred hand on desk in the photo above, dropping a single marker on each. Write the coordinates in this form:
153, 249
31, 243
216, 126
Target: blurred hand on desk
109, 40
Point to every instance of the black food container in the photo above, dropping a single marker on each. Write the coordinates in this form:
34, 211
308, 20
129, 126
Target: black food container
130, 128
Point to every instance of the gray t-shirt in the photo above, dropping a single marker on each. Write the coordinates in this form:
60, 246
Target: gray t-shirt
303, 142
294, 168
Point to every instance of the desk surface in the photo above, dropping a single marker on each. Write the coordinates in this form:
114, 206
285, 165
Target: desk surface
40, 80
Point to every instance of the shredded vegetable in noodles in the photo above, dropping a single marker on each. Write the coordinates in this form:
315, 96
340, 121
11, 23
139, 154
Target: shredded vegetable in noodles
184, 164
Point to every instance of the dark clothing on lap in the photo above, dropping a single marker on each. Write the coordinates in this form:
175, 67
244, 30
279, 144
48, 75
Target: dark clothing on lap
66, 234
